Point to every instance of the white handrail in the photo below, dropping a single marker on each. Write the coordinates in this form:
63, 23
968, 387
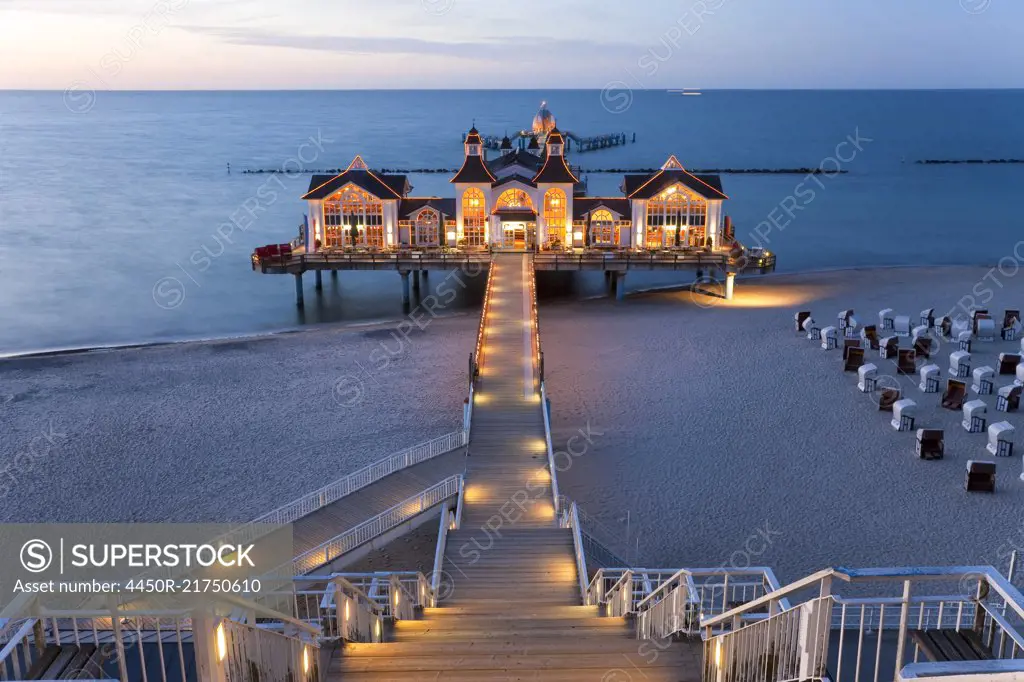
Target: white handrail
328, 551
551, 450
572, 521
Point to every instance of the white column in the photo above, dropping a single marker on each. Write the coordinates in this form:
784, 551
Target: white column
730, 285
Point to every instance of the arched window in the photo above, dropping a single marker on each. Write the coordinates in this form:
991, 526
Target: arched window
602, 229
555, 205
354, 208
676, 218
474, 218
425, 228
514, 198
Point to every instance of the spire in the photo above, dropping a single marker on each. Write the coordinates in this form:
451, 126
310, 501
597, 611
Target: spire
473, 141
357, 164
672, 164
555, 143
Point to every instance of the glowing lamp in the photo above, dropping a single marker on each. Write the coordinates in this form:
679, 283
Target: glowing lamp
305, 660
451, 236
222, 643
577, 235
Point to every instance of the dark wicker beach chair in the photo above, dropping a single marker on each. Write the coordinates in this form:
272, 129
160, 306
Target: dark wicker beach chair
1011, 318
923, 347
887, 397
981, 477
906, 361
848, 344
953, 398
1008, 399
945, 326
854, 358
975, 314
800, 317
1008, 363
888, 347
931, 443
870, 334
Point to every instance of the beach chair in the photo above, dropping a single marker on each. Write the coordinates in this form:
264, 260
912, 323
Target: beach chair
800, 317
984, 377
887, 398
901, 325
867, 378
870, 335
975, 416
829, 338
854, 359
953, 397
1008, 363
1011, 325
985, 328
928, 317
904, 413
848, 344
1008, 399
963, 340
981, 477
974, 318
960, 325
888, 347
812, 329
885, 319
1018, 375
906, 361
923, 347
930, 444
929, 379
1000, 439
945, 326
960, 364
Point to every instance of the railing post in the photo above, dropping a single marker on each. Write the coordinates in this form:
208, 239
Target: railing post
904, 617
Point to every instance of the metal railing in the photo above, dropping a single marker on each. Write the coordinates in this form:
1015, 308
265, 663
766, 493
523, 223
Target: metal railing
570, 519
340, 608
881, 633
633, 258
373, 259
451, 519
477, 361
328, 551
253, 654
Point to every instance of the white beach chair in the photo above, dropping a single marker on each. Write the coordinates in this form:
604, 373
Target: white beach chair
888, 347
1008, 399
975, 412
964, 340
812, 329
885, 320
904, 413
901, 325
930, 375
1019, 375
799, 319
919, 331
986, 329
959, 326
1000, 439
984, 377
829, 338
867, 378
960, 364
928, 317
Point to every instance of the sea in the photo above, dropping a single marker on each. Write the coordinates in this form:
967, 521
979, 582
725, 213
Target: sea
110, 200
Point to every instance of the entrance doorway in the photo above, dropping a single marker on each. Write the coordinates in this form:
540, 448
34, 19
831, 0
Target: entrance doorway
515, 235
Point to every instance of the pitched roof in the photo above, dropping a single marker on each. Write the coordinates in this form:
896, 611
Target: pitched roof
555, 170
531, 162
474, 169
515, 177
409, 206
380, 186
506, 143
473, 137
646, 186
581, 206
533, 144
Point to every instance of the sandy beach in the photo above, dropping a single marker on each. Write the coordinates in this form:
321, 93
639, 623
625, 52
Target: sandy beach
220, 431
732, 440
727, 437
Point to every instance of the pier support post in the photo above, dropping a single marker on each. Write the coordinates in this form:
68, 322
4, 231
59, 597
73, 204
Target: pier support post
334, 275
299, 301
620, 286
405, 286
730, 285
416, 281
319, 281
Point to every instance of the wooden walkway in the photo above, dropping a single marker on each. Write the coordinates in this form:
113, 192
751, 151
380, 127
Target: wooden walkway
327, 523
514, 612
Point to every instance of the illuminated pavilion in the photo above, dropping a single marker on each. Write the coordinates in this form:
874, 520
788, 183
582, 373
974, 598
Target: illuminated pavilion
523, 198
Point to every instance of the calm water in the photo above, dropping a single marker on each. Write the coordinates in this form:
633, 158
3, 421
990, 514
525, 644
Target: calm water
97, 208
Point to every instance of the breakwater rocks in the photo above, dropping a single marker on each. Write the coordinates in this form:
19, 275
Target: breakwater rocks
934, 162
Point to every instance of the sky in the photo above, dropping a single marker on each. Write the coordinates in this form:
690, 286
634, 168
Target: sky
342, 44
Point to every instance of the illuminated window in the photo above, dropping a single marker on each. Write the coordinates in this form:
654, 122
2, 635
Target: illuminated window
514, 198
555, 205
425, 228
676, 217
353, 207
474, 217
604, 231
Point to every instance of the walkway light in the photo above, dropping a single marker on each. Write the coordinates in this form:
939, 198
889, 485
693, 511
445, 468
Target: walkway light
222, 643
305, 660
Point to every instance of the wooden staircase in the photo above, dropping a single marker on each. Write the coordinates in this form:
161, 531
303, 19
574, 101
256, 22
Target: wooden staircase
514, 612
